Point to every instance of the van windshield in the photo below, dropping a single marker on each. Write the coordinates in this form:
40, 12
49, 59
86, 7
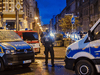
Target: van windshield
9, 36
29, 36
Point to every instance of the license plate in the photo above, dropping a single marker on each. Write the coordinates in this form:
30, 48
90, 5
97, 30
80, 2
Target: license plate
26, 61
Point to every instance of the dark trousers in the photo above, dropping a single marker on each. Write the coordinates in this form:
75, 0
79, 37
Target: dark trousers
47, 49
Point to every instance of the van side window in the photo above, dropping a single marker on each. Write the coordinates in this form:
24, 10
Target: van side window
97, 33
87, 40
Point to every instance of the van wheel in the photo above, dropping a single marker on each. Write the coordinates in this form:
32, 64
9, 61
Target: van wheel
1, 65
26, 65
84, 67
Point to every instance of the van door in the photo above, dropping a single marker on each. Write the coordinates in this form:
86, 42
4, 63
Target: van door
95, 43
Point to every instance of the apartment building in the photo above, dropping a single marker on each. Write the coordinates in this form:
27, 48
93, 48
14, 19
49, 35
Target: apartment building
27, 14
8, 14
89, 12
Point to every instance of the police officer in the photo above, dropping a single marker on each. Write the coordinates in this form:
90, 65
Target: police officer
48, 43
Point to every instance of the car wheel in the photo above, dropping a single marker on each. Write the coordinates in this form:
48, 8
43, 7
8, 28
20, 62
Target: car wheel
84, 67
26, 65
1, 65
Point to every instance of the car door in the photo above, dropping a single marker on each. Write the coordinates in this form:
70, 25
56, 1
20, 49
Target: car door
95, 43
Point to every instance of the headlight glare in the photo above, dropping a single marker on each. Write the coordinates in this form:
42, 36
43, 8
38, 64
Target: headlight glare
13, 52
8, 52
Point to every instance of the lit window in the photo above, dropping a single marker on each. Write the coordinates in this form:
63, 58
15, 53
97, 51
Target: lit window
12, 7
6, 6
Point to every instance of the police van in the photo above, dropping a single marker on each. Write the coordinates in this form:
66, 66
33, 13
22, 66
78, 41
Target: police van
14, 51
83, 56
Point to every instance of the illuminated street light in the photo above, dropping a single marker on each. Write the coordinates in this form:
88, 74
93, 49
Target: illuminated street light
36, 18
39, 25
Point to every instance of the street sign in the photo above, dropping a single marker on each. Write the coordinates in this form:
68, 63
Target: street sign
18, 6
73, 20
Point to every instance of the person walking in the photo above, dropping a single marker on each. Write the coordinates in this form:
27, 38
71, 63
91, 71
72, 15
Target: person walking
48, 43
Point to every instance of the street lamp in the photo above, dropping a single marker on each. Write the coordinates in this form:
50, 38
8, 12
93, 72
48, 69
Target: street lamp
36, 18
38, 23
40, 27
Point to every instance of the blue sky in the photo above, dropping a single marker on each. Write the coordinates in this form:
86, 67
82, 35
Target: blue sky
48, 8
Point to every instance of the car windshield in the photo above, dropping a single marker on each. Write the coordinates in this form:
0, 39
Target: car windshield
29, 36
58, 37
9, 36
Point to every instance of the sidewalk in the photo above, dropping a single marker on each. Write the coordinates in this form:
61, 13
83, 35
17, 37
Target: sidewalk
59, 53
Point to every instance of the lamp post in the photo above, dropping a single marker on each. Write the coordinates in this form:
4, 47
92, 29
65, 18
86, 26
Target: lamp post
36, 18
18, 7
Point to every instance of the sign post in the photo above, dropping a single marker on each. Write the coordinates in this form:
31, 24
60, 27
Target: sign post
18, 7
72, 21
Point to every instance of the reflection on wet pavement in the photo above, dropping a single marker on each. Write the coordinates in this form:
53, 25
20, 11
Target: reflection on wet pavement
39, 68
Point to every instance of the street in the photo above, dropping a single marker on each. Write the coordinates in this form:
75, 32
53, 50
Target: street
39, 68
59, 52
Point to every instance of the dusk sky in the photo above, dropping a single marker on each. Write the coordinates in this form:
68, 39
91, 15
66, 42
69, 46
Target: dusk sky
48, 8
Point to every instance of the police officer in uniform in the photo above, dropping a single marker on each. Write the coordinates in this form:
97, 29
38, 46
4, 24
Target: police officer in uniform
48, 43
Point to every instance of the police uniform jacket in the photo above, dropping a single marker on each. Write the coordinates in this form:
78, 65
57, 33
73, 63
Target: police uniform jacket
48, 41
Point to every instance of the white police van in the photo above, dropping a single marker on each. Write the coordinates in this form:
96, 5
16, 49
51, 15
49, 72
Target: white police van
14, 51
83, 56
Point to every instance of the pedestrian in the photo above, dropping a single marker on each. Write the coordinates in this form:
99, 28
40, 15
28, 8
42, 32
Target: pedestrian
48, 43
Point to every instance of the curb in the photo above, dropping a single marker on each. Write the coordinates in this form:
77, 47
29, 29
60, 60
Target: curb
49, 57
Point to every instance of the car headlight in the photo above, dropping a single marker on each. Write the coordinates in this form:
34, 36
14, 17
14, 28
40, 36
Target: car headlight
10, 52
68, 50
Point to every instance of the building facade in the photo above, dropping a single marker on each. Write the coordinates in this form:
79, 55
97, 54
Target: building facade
8, 13
69, 9
52, 23
89, 12
45, 27
27, 14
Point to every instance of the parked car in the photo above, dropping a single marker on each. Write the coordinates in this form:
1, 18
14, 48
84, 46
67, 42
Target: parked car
14, 51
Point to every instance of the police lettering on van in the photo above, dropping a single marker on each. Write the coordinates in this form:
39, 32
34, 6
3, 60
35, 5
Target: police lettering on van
83, 56
14, 51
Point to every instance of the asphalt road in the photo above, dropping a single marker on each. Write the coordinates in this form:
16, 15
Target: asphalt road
59, 52
39, 68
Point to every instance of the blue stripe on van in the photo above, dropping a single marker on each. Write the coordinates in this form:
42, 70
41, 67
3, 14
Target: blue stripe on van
73, 52
95, 51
